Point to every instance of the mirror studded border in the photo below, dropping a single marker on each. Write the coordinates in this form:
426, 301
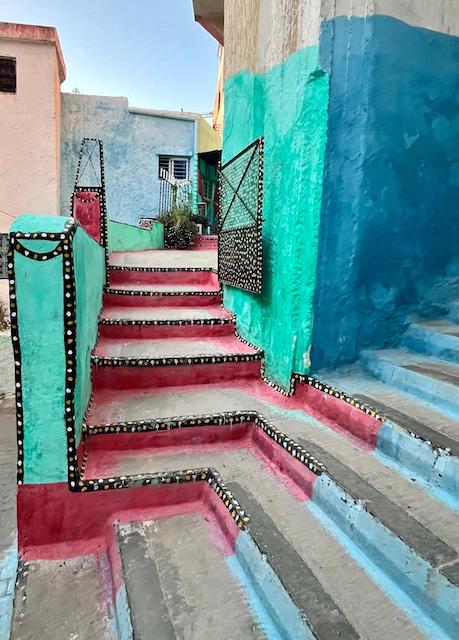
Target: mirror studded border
100, 190
63, 249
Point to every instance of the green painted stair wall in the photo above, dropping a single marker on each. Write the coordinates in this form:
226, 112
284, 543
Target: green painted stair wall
40, 321
126, 237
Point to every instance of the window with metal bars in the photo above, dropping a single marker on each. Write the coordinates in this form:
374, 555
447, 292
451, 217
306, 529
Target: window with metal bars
207, 189
7, 75
177, 168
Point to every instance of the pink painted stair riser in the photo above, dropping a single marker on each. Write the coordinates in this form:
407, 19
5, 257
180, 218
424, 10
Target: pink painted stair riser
126, 276
128, 377
181, 300
151, 332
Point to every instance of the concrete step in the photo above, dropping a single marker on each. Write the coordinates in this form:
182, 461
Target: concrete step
425, 451
122, 363
421, 440
437, 338
180, 584
160, 295
431, 380
323, 542
165, 322
207, 242
166, 258
127, 275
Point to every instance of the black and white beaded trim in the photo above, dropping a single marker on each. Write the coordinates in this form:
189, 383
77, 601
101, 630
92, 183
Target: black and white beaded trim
63, 238
160, 294
225, 418
341, 395
167, 323
129, 268
100, 190
107, 361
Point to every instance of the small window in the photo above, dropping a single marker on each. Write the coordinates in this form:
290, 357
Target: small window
207, 189
8, 75
177, 168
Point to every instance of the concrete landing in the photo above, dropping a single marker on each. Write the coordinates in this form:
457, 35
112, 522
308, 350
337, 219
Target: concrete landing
163, 348
364, 605
120, 406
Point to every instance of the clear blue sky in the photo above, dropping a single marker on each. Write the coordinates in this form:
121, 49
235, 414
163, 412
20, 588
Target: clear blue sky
150, 51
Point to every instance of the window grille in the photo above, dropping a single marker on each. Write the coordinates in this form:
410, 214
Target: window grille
177, 168
8, 75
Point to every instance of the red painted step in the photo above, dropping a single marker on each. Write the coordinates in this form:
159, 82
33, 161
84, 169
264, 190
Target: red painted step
161, 329
161, 295
121, 364
207, 242
164, 276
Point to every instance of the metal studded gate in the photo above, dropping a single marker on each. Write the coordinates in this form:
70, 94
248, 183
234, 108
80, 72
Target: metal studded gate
90, 187
240, 219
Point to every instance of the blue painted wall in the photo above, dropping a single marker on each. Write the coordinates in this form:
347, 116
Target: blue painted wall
389, 223
132, 143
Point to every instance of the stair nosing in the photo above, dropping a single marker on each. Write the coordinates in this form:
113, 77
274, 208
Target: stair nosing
344, 477
220, 358
166, 293
166, 321
141, 269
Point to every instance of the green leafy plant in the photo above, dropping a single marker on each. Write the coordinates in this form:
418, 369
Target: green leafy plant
198, 219
180, 232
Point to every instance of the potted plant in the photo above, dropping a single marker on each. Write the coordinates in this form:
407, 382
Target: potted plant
180, 232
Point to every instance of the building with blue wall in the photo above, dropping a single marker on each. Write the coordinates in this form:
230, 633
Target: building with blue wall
358, 105
134, 139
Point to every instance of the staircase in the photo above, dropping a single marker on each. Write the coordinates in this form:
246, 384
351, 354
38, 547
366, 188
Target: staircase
416, 386
272, 516
207, 242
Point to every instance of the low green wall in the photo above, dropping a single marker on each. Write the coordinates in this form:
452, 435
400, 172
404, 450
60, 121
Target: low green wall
41, 358
126, 237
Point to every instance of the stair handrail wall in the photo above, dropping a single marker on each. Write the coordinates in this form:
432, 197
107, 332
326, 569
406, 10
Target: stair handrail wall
56, 279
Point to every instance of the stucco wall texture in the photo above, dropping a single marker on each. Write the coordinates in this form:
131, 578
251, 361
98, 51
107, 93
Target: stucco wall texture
287, 104
29, 132
40, 302
125, 237
381, 93
389, 226
132, 143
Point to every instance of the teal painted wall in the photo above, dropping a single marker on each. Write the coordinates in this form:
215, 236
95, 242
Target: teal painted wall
288, 106
39, 291
126, 237
89, 267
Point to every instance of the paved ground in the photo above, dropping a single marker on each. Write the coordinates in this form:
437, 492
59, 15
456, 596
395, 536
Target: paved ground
6, 365
7, 476
76, 609
8, 544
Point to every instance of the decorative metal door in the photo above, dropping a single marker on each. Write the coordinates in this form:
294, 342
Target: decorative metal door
89, 192
240, 187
